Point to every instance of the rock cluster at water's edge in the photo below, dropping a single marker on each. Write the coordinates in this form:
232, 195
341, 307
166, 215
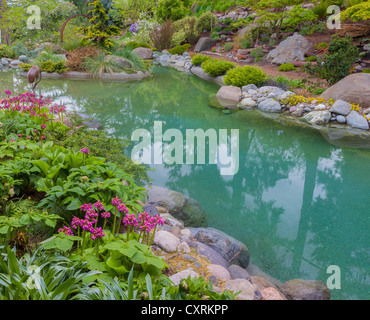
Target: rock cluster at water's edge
217, 256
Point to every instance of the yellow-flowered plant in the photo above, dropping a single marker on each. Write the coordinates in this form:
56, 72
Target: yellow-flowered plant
355, 107
298, 99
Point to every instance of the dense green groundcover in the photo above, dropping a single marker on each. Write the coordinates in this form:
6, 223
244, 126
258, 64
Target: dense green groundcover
64, 194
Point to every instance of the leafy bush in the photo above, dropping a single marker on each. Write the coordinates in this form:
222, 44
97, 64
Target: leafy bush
178, 38
185, 31
257, 53
205, 22
357, 12
242, 76
180, 49
162, 36
6, 52
47, 66
310, 59
245, 43
217, 67
172, 9
50, 66
337, 64
199, 59
215, 36
228, 46
100, 32
286, 67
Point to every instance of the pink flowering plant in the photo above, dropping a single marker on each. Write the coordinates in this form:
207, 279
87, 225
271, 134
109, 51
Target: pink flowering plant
95, 224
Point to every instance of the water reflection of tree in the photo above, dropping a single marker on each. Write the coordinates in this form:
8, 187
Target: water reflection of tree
344, 199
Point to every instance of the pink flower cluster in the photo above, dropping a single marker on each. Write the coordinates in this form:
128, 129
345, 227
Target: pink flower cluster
85, 150
90, 221
144, 222
27, 102
66, 230
120, 206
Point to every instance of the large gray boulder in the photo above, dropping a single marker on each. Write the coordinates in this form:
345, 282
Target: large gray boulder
355, 120
298, 289
122, 62
354, 88
232, 250
143, 53
178, 205
341, 107
203, 44
291, 49
269, 105
229, 96
211, 254
318, 117
166, 240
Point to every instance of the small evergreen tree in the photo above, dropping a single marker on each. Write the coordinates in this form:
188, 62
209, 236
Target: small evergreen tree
100, 31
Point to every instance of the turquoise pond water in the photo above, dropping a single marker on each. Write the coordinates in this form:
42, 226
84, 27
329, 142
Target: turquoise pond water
299, 203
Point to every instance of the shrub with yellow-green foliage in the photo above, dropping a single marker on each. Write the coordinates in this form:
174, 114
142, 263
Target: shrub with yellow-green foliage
47, 66
199, 59
242, 76
286, 67
6, 52
357, 12
180, 49
217, 67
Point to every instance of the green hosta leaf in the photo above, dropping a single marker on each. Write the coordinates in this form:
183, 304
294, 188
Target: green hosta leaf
139, 258
63, 244
156, 261
77, 190
115, 245
4, 229
44, 184
93, 263
42, 165
59, 159
116, 264
25, 219
75, 204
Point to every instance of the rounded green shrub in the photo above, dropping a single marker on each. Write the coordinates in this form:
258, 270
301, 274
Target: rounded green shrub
180, 49
242, 76
217, 67
311, 59
178, 38
205, 21
199, 59
172, 9
286, 67
6, 52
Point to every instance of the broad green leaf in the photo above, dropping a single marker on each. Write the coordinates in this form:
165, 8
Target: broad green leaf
59, 159
75, 204
42, 165
63, 244
4, 229
12, 262
138, 258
